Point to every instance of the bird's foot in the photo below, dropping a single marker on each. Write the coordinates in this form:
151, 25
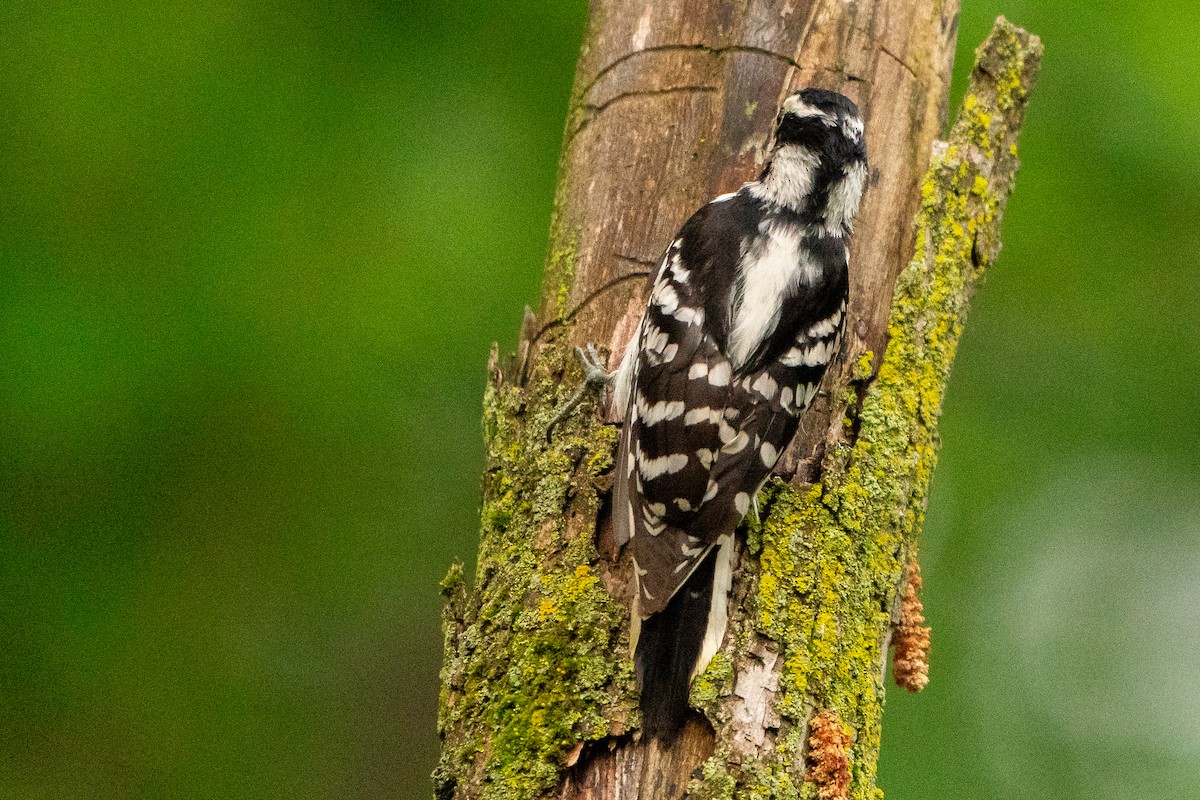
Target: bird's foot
595, 379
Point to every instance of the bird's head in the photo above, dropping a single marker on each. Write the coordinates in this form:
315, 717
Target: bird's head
819, 158
822, 121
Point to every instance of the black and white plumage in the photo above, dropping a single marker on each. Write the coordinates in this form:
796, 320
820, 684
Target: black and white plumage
743, 319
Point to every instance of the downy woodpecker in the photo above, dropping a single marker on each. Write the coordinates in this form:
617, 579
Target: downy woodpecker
744, 317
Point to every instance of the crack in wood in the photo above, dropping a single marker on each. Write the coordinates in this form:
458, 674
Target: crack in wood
899, 61
718, 52
648, 263
594, 111
699, 47
557, 322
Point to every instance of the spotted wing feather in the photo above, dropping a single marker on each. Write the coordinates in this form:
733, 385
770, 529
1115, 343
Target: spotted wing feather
699, 438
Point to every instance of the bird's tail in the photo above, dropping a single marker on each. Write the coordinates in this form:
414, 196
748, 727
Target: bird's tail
678, 642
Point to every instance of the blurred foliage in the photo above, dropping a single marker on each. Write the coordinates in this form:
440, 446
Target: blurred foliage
251, 258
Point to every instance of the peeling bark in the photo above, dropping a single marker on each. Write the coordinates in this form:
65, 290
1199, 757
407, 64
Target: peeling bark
673, 104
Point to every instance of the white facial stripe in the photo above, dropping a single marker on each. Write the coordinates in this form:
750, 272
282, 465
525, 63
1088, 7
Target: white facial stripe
796, 105
844, 196
790, 179
852, 127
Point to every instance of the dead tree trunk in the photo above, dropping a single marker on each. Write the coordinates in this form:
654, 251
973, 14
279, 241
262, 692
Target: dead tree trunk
673, 104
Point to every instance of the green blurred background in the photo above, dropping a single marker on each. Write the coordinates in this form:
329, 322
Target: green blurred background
252, 256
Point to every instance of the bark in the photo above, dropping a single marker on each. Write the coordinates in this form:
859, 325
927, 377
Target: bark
673, 104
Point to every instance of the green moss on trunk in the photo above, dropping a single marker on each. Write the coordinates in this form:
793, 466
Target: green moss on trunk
535, 658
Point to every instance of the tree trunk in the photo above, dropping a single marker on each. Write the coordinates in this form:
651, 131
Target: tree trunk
673, 104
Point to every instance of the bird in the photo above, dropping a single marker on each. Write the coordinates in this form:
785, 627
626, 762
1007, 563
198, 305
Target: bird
745, 314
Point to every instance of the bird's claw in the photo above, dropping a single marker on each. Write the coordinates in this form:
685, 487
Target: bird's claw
594, 373
595, 377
